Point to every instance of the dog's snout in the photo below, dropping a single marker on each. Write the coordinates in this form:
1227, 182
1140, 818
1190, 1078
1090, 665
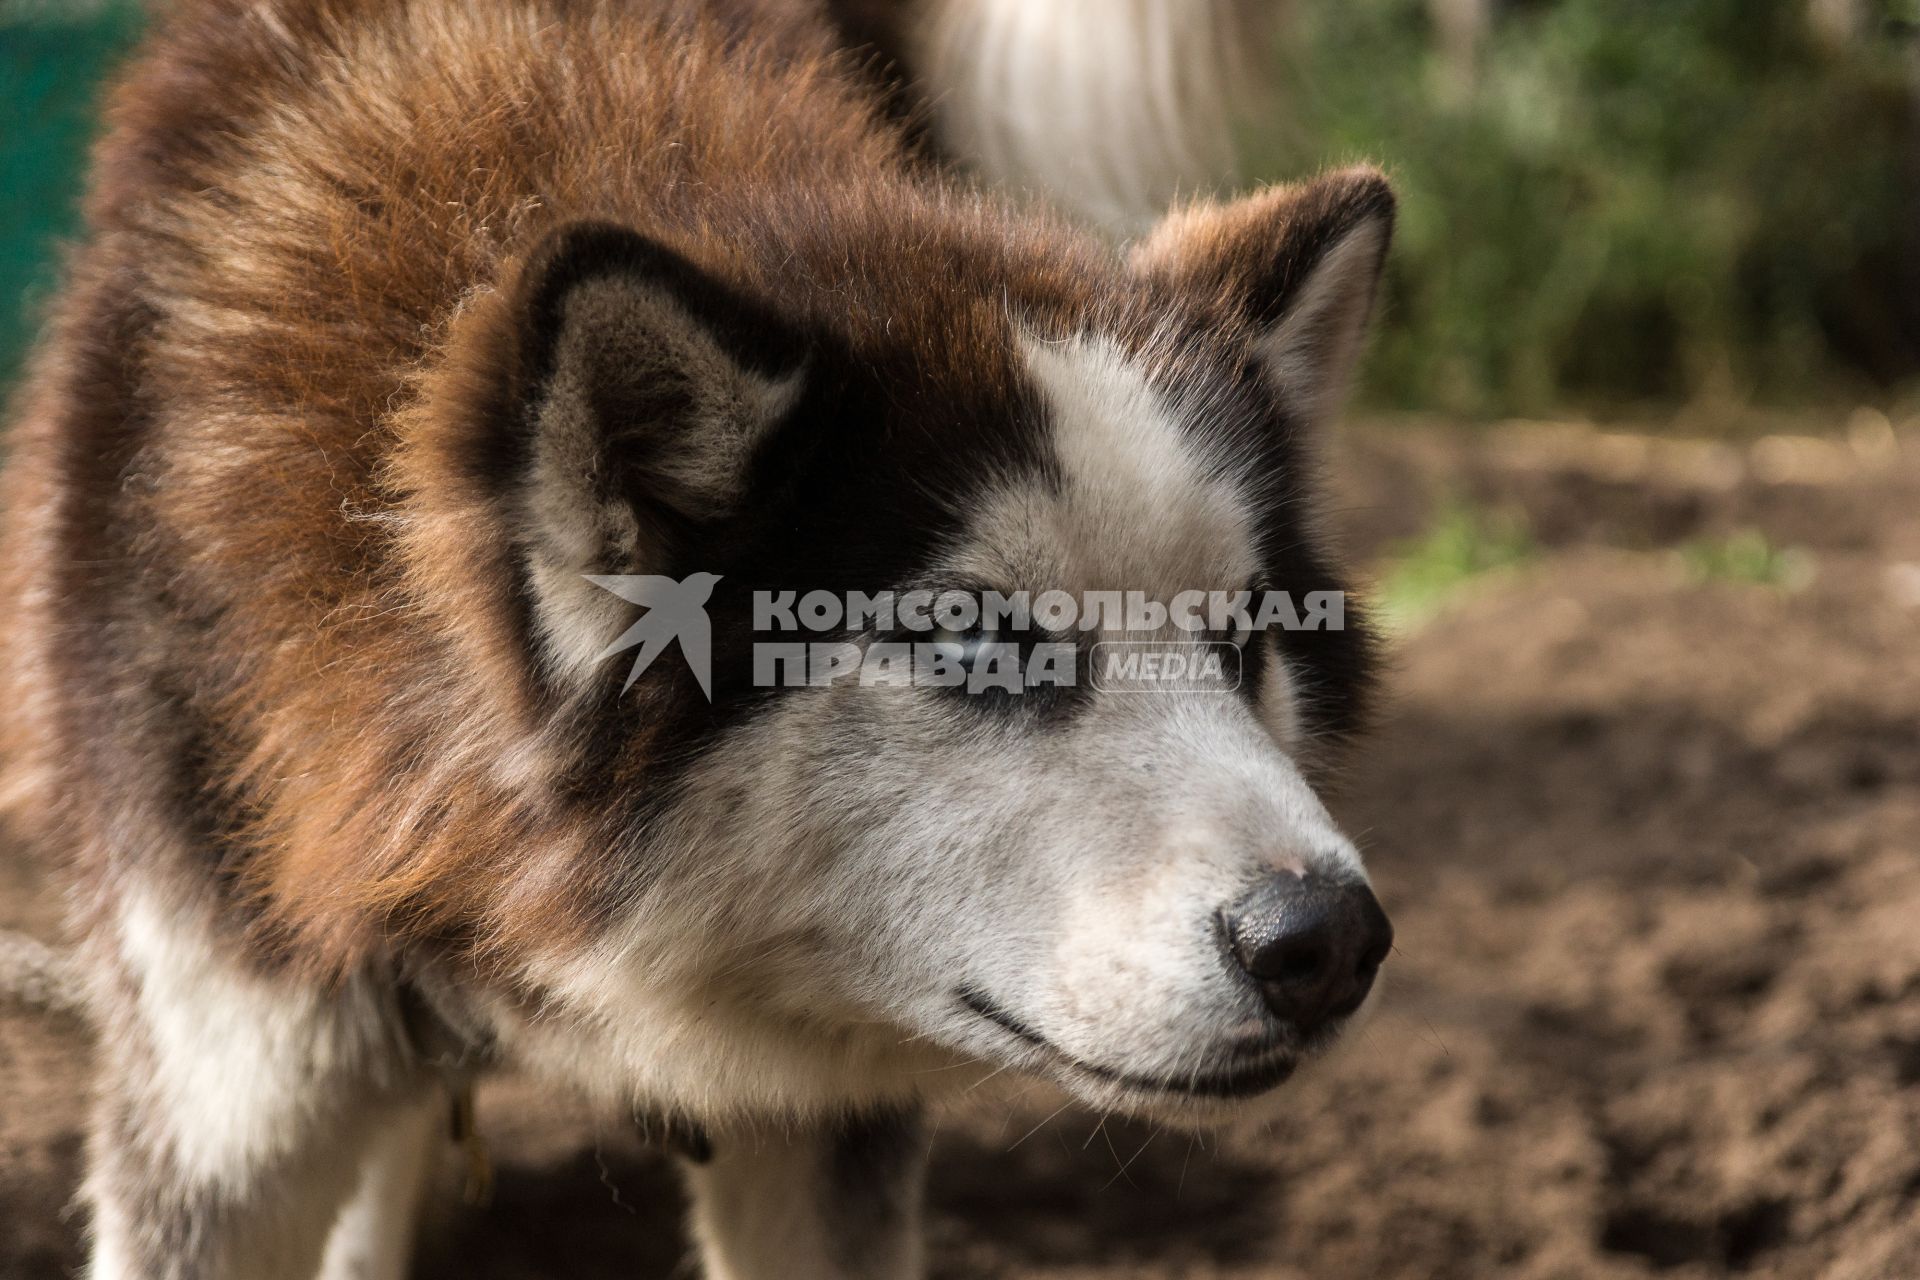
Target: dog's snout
1313, 944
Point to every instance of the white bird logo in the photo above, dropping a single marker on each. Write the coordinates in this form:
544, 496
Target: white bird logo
675, 610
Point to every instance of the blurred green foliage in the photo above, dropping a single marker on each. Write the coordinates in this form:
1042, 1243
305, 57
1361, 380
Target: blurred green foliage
1465, 543
1620, 201
52, 59
1749, 558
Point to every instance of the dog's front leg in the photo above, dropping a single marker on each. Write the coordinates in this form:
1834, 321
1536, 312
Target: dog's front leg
834, 1202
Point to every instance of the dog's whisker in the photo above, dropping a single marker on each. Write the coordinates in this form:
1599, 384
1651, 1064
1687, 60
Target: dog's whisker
1043, 1124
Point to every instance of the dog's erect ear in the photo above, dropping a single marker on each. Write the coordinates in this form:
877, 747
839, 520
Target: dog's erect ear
1300, 263
641, 387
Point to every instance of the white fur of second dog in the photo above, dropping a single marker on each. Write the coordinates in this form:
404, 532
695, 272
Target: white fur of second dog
1113, 108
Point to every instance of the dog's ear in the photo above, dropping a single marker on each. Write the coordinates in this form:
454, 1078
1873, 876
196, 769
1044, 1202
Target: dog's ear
639, 387
1300, 264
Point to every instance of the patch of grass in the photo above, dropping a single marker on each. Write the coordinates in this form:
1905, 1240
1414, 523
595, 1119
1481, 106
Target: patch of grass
1747, 557
1464, 544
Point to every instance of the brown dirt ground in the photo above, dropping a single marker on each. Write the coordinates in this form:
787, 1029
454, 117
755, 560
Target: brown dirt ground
1650, 844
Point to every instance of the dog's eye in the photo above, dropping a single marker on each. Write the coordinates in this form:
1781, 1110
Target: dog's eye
968, 648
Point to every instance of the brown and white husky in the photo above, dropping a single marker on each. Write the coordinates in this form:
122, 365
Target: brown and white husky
412, 343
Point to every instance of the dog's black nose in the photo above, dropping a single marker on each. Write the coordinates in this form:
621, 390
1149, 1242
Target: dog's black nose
1314, 945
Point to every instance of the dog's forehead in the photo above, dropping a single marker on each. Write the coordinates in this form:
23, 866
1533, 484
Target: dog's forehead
1145, 492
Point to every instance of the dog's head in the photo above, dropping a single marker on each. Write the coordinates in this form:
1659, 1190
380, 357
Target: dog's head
857, 842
